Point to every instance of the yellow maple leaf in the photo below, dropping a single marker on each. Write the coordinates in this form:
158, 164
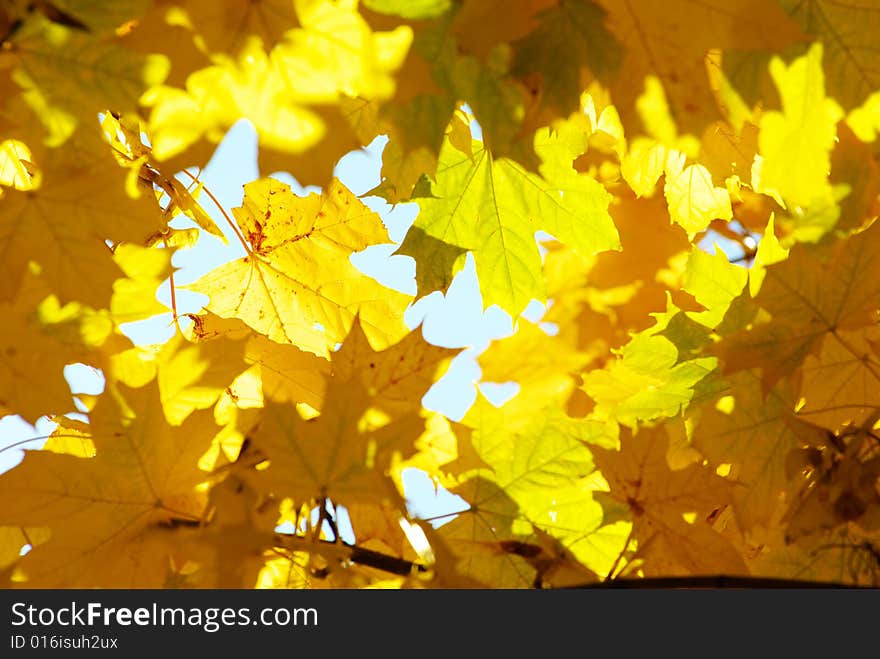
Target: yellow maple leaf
26, 370
475, 540
841, 382
599, 303
63, 224
74, 75
395, 378
669, 508
544, 366
229, 551
332, 455
753, 435
193, 375
444, 451
134, 295
223, 27
297, 285
328, 55
368, 416
105, 512
794, 145
815, 292
39, 338
694, 201
846, 30
671, 39
287, 374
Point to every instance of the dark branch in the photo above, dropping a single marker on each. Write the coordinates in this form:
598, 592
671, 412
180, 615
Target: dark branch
379, 561
714, 581
359, 555
403, 567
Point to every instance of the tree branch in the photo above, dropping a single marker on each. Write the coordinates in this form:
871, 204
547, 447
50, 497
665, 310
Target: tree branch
713, 581
400, 566
354, 553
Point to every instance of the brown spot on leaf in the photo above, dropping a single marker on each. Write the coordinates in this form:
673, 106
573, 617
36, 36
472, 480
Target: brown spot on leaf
635, 506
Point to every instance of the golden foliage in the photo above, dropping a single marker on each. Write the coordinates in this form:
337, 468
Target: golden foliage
689, 188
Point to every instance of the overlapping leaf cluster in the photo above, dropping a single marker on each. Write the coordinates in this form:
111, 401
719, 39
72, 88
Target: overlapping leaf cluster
682, 408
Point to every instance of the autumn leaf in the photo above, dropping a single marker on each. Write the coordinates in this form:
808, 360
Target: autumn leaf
493, 208
845, 28
671, 41
543, 464
395, 378
806, 126
598, 303
70, 214
287, 373
328, 456
297, 285
503, 68
813, 293
366, 418
573, 32
853, 167
225, 29
669, 508
840, 382
714, 282
106, 513
58, 68
24, 371
838, 496
191, 376
317, 53
477, 537
41, 336
650, 378
753, 436
694, 201
440, 271
671, 210
544, 366
231, 552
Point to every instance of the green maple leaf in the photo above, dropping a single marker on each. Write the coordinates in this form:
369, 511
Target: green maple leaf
652, 378
541, 478
493, 207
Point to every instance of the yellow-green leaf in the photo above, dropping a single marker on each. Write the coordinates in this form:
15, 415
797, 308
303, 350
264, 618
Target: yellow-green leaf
795, 144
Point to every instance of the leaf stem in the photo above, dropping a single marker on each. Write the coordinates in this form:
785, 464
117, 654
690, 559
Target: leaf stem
620, 555
173, 289
34, 439
226, 217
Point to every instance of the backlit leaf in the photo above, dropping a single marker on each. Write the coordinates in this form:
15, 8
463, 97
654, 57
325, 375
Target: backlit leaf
297, 284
